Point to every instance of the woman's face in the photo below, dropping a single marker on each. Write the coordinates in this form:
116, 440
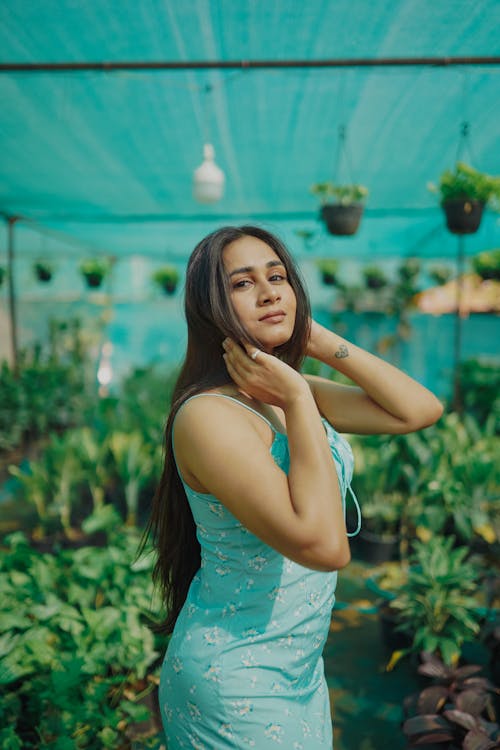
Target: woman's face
261, 295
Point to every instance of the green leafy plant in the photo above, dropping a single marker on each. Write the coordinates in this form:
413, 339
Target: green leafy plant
77, 655
3, 274
436, 604
440, 274
52, 390
480, 387
43, 270
94, 270
487, 264
374, 277
167, 277
328, 268
330, 192
466, 182
134, 464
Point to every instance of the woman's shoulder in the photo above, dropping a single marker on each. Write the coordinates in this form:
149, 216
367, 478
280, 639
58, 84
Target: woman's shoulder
219, 409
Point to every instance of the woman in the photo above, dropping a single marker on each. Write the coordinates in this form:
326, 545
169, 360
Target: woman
256, 476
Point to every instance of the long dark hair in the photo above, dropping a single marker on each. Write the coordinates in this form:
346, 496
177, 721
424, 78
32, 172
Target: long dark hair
210, 319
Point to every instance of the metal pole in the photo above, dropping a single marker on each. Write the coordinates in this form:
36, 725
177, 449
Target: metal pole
11, 220
152, 65
457, 348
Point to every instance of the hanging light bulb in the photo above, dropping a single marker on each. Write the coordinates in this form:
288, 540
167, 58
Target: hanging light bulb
208, 184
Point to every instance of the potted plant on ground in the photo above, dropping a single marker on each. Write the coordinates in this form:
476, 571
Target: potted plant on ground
167, 277
341, 206
487, 265
436, 606
464, 193
43, 271
374, 277
455, 711
94, 271
328, 269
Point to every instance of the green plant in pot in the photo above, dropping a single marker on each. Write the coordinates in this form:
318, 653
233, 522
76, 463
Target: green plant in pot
374, 277
43, 271
436, 606
341, 206
487, 265
328, 269
464, 192
167, 277
440, 274
94, 270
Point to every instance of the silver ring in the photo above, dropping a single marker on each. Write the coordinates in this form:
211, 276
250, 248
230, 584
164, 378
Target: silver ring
254, 354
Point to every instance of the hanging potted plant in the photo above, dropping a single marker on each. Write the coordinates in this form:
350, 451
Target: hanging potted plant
440, 274
341, 206
328, 269
94, 270
43, 271
374, 277
167, 277
464, 193
487, 265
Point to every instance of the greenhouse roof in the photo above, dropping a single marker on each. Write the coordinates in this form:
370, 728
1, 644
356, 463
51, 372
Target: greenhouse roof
104, 159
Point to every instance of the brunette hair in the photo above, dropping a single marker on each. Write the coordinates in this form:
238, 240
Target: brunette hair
210, 319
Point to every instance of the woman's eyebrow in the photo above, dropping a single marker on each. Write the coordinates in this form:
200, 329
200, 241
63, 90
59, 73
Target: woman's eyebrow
249, 269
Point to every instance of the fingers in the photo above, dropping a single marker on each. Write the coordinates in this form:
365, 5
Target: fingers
241, 355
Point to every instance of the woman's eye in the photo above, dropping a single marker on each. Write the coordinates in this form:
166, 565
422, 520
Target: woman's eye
277, 277
241, 284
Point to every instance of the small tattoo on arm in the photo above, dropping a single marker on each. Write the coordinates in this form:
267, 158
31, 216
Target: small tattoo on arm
342, 352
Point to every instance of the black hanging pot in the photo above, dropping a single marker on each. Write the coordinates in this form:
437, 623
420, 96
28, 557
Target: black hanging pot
342, 219
43, 273
463, 215
93, 279
169, 287
376, 548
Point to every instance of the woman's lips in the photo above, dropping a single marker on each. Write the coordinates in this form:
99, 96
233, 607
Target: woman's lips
276, 317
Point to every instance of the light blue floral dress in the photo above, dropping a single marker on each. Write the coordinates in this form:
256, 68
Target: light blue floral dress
244, 665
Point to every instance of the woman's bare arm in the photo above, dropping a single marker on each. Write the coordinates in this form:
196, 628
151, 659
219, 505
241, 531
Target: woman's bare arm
385, 399
222, 446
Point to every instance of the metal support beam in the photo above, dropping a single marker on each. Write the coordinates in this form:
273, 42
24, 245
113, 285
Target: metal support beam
159, 65
11, 221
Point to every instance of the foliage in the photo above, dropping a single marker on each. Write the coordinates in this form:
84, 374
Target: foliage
166, 277
440, 274
43, 270
328, 268
51, 390
329, 192
76, 651
466, 182
456, 477
374, 277
435, 605
487, 264
457, 708
95, 267
3, 274
480, 390
116, 458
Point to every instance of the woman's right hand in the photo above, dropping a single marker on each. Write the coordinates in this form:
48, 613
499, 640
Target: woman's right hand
265, 377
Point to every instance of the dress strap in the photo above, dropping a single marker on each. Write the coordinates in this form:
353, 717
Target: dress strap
237, 401
358, 512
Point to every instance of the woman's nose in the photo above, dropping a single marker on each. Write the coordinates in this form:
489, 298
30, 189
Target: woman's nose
268, 294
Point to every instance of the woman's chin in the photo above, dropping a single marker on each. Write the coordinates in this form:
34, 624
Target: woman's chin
269, 343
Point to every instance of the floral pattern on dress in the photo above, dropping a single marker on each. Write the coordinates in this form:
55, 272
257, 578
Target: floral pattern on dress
243, 668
